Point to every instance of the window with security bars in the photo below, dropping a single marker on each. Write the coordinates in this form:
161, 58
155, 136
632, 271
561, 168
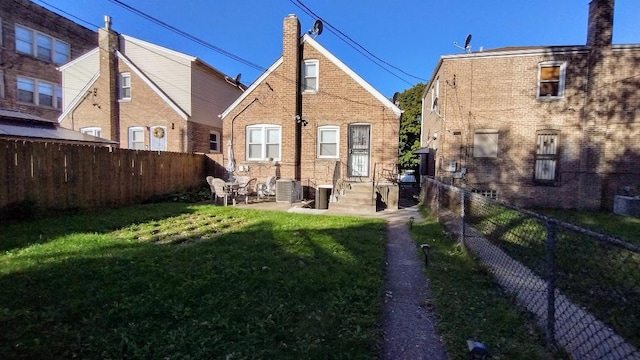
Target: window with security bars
547, 156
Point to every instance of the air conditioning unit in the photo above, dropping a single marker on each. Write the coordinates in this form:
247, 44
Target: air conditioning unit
288, 190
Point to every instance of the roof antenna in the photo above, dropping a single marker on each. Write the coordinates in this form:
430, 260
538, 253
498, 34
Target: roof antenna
317, 28
467, 44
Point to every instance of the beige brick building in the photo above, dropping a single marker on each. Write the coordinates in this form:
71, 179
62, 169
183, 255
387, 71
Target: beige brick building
33, 43
145, 96
311, 119
555, 126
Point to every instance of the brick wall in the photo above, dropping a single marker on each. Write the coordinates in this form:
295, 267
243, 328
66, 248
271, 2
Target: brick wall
598, 138
13, 64
340, 101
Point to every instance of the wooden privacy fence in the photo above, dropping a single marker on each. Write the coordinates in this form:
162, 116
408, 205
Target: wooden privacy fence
66, 176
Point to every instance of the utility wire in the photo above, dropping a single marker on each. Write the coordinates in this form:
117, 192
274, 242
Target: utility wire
189, 36
350, 41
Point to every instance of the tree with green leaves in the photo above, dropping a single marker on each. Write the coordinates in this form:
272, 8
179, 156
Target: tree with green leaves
410, 101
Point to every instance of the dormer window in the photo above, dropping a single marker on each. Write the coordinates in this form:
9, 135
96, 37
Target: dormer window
551, 79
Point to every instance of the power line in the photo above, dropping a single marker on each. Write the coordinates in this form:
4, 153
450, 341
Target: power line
350, 41
189, 36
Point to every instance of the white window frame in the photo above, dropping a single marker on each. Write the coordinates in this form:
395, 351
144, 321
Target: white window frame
92, 130
216, 142
561, 79
56, 101
435, 95
263, 142
54, 56
328, 128
306, 75
485, 143
122, 87
131, 141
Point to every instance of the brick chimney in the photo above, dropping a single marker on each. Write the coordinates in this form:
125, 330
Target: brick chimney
107, 84
600, 28
291, 58
291, 54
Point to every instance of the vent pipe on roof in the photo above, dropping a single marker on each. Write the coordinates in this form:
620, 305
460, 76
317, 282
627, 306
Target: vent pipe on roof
107, 22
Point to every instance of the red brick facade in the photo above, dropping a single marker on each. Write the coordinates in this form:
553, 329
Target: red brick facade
496, 92
146, 109
341, 100
13, 63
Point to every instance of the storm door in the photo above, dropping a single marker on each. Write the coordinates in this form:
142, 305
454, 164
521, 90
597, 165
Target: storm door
359, 148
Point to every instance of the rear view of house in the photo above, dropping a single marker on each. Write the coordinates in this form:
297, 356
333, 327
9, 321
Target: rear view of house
547, 126
145, 96
311, 119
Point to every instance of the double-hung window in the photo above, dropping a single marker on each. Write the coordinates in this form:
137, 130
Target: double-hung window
551, 80
328, 141
41, 46
214, 142
136, 138
310, 76
263, 142
435, 94
37, 92
124, 85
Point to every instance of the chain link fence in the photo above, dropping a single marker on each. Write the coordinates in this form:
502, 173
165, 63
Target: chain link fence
582, 287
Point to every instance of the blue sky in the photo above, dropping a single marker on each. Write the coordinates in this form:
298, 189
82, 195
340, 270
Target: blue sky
410, 35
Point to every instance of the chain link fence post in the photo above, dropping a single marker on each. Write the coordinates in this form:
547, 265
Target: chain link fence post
462, 213
552, 230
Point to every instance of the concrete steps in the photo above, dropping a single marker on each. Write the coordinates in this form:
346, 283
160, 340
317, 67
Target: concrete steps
358, 197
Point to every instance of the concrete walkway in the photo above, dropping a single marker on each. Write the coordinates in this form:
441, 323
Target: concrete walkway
408, 318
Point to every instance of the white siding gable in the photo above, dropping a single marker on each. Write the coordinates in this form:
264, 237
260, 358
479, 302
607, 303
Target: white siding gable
168, 69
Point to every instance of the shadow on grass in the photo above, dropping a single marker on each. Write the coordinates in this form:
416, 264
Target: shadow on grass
266, 285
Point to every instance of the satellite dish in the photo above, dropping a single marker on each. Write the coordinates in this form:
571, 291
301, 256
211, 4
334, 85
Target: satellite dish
395, 98
317, 28
467, 42
235, 81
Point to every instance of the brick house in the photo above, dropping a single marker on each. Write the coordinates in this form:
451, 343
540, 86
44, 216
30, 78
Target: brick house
33, 43
549, 126
144, 96
311, 119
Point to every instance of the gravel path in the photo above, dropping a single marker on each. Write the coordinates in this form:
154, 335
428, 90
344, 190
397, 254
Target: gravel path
408, 318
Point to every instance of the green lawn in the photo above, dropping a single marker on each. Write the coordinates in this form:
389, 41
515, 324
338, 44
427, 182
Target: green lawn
470, 305
178, 281
623, 227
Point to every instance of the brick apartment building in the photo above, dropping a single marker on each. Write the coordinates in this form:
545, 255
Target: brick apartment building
311, 119
33, 43
144, 96
555, 126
